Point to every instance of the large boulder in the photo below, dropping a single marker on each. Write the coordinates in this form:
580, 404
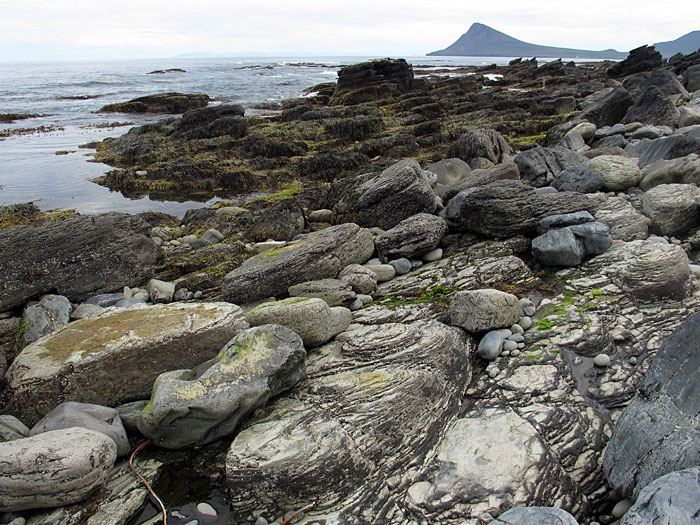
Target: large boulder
449, 171
649, 151
77, 258
662, 79
54, 469
684, 170
578, 178
618, 173
568, 246
622, 219
374, 404
412, 237
194, 407
372, 80
643, 58
672, 208
507, 207
484, 310
311, 318
479, 177
114, 357
539, 166
608, 109
673, 498
402, 190
334, 291
481, 148
658, 431
160, 103
653, 107
320, 255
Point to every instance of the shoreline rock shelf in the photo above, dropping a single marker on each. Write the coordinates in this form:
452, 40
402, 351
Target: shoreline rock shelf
440, 334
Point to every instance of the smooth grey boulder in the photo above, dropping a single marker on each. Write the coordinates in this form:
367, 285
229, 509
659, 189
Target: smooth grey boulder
594, 235
650, 132
321, 255
490, 345
578, 178
208, 238
384, 272
685, 170
85, 310
401, 266
609, 107
80, 361
618, 173
559, 221
373, 405
535, 515
672, 498
86, 415
361, 279
653, 107
539, 166
664, 148
47, 316
12, 428
449, 171
479, 177
54, 469
623, 220
194, 407
311, 318
477, 145
658, 431
334, 291
483, 310
506, 208
400, 191
672, 208
77, 258
411, 238
558, 248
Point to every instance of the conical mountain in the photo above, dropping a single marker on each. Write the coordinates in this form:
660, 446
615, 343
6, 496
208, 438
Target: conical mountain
482, 40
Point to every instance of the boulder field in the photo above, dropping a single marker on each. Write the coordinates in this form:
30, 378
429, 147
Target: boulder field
449, 316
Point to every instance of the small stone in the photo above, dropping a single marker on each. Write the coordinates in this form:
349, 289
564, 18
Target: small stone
517, 338
364, 298
197, 295
492, 371
509, 346
621, 508
578, 360
142, 295
84, 310
180, 294
525, 322
261, 521
384, 272
160, 291
432, 256
355, 305
505, 353
527, 308
128, 293
491, 345
521, 345
401, 266
320, 215
206, 509
601, 360
415, 264
633, 360
515, 353
517, 329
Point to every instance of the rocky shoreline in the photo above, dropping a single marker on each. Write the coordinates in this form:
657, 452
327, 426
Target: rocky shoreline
460, 301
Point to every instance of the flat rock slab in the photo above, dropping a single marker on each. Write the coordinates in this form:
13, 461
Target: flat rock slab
115, 357
78, 257
320, 255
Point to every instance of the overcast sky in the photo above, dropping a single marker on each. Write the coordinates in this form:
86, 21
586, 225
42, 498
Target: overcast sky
53, 29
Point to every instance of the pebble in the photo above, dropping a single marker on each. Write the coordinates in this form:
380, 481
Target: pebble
415, 264
401, 266
601, 360
505, 353
492, 371
490, 345
527, 307
621, 508
515, 353
180, 294
578, 360
633, 360
517, 338
509, 345
432, 256
206, 509
521, 345
505, 332
517, 329
525, 322
197, 295
261, 521
364, 298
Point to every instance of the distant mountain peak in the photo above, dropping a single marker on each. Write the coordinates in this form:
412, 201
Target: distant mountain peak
482, 40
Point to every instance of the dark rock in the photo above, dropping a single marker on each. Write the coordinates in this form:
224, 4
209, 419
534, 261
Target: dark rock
105, 299
597, 152
411, 238
47, 316
160, 103
479, 144
401, 191
354, 128
234, 127
539, 166
396, 145
372, 80
558, 248
560, 221
76, 258
684, 170
643, 58
662, 79
658, 430
578, 179
653, 107
665, 148
691, 78
200, 117
321, 255
609, 109
613, 141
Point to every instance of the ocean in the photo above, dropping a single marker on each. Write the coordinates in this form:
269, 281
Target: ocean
67, 95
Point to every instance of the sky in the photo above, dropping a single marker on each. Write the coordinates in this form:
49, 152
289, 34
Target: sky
98, 29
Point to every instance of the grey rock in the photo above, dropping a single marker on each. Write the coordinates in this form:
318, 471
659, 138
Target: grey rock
402, 190
615, 141
672, 208
54, 469
449, 171
574, 142
649, 132
684, 170
665, 148
180, 294
193, 407
608, 131
559, 221
47, 316
321, 255
585, 129
76, 258
481, 143
673, 498
85, 310
402, 266
105, 299
527, 307
412, 237
559, 248
490, 345
653, 107
579, 179
535, 515
483, 310
208, 238
320, 215
130, 302
12, 428
78, 362
312, 319
130, 414
594, 235
691, 78
609, 107
334, 291
85, 415
384, 272
664, 411
479, 177
618, 173
623, 221
688, 116
361, 279
160, 291
662, 79
602, 360
539, 166
506, 208
433, 255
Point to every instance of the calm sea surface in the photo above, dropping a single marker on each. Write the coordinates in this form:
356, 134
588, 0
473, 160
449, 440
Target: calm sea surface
68, 94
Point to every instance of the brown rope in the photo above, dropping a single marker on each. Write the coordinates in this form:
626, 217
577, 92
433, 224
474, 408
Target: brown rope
143, 480
290, 518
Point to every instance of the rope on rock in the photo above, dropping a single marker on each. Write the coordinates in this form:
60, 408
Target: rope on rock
290, 518
143, 480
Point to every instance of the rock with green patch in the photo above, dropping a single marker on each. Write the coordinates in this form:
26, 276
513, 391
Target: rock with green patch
194, 407
320, 255
311, 318
372, 406
77, 257
47, 316
114, 357
483, 310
